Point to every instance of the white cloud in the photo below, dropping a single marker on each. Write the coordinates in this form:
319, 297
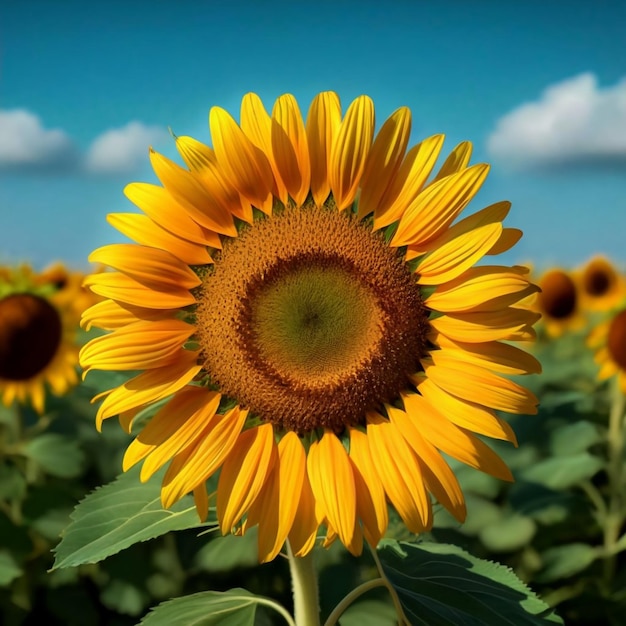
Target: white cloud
574, 122
26, 144
120, 150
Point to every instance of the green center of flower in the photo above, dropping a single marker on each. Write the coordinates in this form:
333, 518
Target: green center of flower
558, 295
30, 334
310, 320
616, 342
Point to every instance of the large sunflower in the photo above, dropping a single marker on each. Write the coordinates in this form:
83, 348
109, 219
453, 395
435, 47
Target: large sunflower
303, 297
37, 339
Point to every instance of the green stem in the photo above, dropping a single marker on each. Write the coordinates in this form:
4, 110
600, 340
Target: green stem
613, 520
351, 597
402, 619
305, 593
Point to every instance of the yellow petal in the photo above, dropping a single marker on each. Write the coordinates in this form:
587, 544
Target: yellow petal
332, 482
494, 355
468, 415
244, 473
289, 147
197, 198
453, 440
371, 504
118, 286
438, 205
305, 524
507, 324
142, 345
194, 464
202, 161
408, 181
384, 160
163, 209
438, 476
172, 427
149, 386
457, 160
322, 124
449, 260
147, 265
476, 384
508, 238
399, 473
143, 230
201, 500
244, 165
110, 315
486, 288
276, 507
349, 151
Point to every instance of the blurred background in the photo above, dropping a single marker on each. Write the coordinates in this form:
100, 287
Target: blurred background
87, 87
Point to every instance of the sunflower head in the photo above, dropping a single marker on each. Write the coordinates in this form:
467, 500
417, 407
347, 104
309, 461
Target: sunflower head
36, 339
306, 298
601, 285
559, 302
608, 339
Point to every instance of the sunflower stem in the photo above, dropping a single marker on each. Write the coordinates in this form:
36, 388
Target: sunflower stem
614, 516
305, 592
351, 597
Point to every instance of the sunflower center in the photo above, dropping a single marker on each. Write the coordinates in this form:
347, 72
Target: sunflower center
597, 281
558, 295
30, 334
309, 319
616, 342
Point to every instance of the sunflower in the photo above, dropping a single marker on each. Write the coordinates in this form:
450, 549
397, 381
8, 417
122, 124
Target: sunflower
37, 340
609, 340
601, 285
559, 303
310, 308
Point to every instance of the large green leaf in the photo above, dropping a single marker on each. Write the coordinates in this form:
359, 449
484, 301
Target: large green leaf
442, 585
118, 515
236, 607
55, 454
564, 471
574, 438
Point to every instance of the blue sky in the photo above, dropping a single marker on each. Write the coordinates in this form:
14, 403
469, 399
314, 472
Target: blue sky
86, 87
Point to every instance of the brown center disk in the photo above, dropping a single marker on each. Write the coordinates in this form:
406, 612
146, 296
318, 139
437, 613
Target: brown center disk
558, 295
30, 334
310, 320
598, 281
616, 342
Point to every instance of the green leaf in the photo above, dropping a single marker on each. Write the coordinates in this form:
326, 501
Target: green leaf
221, 554
442, 585
12, 483
124, 597
56, 455
9, 569
564, 471
574, 438
236, 607
509, 534
118, 515
564, 561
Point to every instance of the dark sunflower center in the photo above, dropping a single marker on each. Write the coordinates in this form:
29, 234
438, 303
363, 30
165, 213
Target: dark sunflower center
558, 295
597, 281
310, 319
30, 334
616, 342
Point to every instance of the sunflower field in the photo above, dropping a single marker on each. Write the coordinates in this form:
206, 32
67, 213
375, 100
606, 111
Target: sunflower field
306, 391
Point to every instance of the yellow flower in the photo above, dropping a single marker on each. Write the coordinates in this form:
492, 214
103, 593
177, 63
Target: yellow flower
37, 340
559, 303
609, 340
601, 285
308, 302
